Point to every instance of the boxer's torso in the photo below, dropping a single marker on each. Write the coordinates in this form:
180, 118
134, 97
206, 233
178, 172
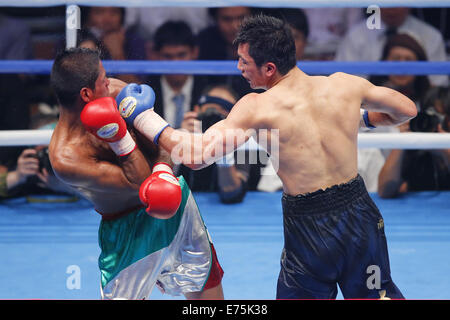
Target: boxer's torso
318, 121
74, 155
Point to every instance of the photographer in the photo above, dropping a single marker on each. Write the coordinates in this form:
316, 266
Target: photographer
32, 174
420, 170
225, 176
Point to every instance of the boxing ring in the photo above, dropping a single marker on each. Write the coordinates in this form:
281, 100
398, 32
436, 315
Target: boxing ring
50, 250
41, 243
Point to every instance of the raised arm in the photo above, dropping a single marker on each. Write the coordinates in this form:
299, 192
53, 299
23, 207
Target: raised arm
197, 151
386, 106
84, 171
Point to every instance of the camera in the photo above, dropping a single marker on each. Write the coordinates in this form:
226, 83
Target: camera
212, 115
44, 160
424, 122
209, 117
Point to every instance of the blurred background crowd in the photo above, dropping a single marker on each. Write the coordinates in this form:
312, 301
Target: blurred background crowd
196, 102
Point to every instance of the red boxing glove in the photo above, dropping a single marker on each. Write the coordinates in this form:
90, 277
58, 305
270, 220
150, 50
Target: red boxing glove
101, 118
161, 192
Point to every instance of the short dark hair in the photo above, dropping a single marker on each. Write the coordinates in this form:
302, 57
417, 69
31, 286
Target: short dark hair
174, 33
406, 41
72, 70
270, 40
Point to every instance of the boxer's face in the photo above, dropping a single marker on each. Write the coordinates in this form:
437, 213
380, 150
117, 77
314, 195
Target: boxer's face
250, 71
101, 88
101, 84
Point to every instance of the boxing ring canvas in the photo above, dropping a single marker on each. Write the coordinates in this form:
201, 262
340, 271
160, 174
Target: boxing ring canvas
50, 250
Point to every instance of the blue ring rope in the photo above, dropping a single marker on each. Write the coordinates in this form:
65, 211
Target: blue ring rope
230, 67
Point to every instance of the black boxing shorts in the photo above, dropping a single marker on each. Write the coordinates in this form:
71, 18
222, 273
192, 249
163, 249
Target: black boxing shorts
334, 237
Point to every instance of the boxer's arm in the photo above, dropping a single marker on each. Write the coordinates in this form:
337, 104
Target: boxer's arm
103, 113
386, 106
98, 175
197, 151
115, 86
135, 167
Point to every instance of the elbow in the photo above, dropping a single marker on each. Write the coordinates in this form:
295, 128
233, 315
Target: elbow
412, 110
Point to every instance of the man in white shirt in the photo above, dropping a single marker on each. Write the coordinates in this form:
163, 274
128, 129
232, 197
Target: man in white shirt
148, 20
364, 44
327, 28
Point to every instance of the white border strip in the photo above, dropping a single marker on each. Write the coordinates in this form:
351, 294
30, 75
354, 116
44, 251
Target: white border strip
227, 3
410, 140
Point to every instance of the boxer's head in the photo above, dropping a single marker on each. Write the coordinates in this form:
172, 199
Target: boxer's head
77, 72
265, 46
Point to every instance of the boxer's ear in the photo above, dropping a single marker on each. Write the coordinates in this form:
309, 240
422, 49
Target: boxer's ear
270, 69
86, 94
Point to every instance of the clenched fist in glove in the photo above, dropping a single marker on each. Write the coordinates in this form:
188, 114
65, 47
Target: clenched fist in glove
161, 192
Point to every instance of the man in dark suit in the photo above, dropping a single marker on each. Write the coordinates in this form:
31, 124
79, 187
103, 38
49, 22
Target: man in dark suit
175, 93
216, 43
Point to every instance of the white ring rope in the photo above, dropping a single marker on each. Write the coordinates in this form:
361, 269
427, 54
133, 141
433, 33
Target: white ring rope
225, 3
409, 140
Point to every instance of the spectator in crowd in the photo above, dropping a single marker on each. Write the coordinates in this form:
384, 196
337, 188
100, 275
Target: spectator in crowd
107, 24
298, 21
15, 38
364, 44
15, 43
328, 27
438, 18
420, 170
175, 93
86, 39
226, 177
27, 166
147, 20
120, 43
403, 47
399, 47
370, 162
32, 174
216, 43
